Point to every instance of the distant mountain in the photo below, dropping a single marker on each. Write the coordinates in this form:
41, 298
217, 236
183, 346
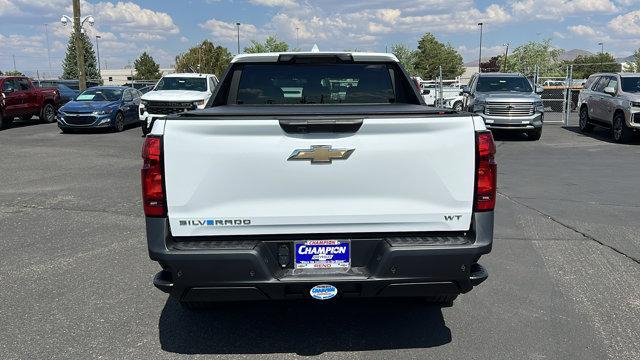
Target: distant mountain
625, 59
570, 55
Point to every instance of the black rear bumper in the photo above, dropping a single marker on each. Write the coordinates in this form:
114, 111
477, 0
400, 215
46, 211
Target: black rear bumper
382, 266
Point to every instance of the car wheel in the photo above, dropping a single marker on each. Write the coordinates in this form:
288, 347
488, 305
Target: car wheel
583, 123
457, 106
621, 133
118, 125
48, 113
534, 135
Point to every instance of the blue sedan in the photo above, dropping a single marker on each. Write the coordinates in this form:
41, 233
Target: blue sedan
111, 107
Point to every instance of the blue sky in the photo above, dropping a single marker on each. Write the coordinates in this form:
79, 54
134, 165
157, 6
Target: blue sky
168, 27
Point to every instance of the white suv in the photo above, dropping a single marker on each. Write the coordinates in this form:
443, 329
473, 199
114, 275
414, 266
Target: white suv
175, 93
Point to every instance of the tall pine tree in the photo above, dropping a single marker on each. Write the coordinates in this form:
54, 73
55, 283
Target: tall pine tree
70, 62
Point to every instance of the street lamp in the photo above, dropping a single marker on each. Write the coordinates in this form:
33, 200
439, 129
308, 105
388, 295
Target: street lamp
78, 22
480, 51
297, 38
601, 47
98, 37
601, 54
238, 26
506, 56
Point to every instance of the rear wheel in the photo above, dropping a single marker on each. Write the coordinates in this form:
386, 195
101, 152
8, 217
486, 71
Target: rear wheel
534, 135
118, 125
584, 124
457, 106
621, 132
48, 113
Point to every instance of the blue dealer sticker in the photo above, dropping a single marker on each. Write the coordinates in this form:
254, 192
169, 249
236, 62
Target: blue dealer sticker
323, 292
322, 254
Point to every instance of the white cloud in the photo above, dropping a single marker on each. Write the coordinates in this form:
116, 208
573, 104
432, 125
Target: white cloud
627, 24
226, 31
559, 9
8, 8
275, 3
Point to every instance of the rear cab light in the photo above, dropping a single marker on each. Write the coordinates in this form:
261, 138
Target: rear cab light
152, 176
486, 172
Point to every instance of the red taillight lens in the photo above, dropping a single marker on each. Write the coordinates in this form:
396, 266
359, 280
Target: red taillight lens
486, 172
153, 198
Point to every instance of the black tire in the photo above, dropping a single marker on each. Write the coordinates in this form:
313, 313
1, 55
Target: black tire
48, 113
441, 300
118, 123
534, 135
457, 106
583, 123
5, 122
620, 132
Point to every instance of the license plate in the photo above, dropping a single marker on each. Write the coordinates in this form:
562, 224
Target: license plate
323, 254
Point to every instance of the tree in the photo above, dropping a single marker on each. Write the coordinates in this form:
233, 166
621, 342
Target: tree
525, 58
13, 73
70, 61
205, 58
432, 54
271, 44
147, 68
491, 65
585, 66
406, 56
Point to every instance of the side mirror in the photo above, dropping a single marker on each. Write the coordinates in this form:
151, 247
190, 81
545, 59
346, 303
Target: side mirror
539, 89
466, 90
609, 90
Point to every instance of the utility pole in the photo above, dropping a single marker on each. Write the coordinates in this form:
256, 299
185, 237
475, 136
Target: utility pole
46, 31
480, 51
98, 37
77, 32
601, 54
14, 63
506, 57
297, 38
238, 26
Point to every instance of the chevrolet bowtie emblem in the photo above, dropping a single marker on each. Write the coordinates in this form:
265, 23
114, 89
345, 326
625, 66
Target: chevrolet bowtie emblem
321, 154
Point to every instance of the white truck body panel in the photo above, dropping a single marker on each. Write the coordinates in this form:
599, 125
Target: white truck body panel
405, 175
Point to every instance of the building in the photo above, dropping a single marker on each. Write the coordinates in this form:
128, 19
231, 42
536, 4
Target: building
118, 77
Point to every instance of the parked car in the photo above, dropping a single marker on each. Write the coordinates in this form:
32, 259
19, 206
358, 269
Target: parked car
66, 93
454, 102
370, 195
100, 107
72, 84
611, 100
506, 101
175, 93
19, 98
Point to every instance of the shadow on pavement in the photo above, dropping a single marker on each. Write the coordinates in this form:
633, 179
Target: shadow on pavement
599, 133
303, 328
510, 135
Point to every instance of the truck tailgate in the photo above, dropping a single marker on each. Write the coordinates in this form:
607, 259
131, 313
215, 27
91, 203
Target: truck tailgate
233, 177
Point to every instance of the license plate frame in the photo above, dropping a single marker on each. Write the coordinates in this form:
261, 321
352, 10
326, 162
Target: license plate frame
315, 254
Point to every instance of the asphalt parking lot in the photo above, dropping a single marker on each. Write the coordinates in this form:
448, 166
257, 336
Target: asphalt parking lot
564, 273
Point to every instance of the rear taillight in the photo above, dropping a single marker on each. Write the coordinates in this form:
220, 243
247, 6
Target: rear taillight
486, 172
153, 197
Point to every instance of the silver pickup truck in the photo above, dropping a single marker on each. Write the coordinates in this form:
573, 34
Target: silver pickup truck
506, 101
292, 184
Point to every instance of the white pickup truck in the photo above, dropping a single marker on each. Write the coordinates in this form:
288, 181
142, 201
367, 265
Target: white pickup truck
175, 93
333, 192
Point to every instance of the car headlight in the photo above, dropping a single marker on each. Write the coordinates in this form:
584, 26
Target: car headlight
144, 103
539, 106
103, 112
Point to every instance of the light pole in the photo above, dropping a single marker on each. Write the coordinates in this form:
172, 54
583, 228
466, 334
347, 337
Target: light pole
601, 47
480, 51
601, 54
238, 26
77, 31
297, 38
98, 37
506, 56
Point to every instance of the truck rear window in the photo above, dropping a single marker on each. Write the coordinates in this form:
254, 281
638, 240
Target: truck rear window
298, 84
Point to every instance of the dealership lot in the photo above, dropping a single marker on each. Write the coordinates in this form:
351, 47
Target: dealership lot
564, 272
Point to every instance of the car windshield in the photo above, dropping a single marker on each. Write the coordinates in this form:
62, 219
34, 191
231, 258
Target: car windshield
179, 83
100, 95
631, 84
294, 84
502, 84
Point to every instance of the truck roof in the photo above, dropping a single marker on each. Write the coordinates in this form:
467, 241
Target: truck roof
188, 75
273, 57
